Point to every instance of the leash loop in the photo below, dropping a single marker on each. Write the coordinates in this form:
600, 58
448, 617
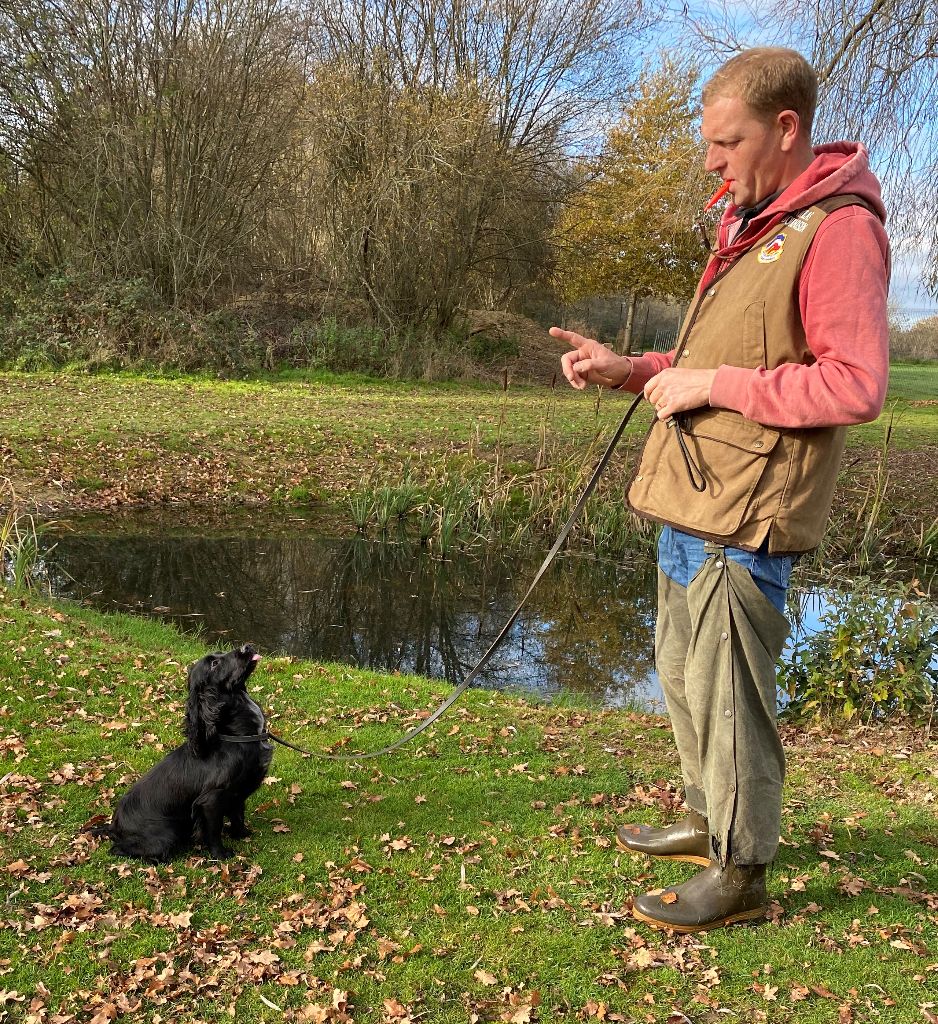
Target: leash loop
694, 473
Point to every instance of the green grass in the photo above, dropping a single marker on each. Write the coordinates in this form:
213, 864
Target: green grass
914, 381
912, 399
471, 873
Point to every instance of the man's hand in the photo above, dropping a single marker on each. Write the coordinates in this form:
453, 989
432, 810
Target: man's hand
591, 362
676, 390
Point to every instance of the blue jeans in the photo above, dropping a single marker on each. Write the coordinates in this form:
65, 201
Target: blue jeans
681, 557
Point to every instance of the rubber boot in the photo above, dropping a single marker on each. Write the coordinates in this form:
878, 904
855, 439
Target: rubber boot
713, 898
688, 839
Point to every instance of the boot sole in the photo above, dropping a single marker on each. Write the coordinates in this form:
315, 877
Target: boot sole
684, 929
689, 858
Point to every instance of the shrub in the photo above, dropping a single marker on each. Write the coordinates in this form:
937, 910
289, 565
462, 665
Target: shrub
489, 349
875, 653
914, 343
70, 320
403, 354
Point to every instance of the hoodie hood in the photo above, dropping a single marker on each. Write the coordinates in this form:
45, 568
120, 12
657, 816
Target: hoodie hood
838, 168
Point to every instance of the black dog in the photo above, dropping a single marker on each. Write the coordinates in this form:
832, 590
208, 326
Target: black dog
185, 798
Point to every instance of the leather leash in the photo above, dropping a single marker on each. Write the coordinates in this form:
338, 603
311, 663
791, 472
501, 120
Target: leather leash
267, 735
484, 660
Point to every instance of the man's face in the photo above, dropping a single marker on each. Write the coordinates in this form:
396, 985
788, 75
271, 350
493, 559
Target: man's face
743, 148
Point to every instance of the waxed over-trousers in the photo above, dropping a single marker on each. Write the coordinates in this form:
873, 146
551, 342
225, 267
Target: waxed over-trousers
716, 644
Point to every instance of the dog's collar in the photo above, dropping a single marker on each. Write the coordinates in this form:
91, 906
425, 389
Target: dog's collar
245, 739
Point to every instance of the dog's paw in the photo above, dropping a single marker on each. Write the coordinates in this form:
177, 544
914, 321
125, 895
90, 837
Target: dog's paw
221, 853
240, 833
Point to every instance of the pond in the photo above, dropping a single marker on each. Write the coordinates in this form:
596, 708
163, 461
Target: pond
291, 586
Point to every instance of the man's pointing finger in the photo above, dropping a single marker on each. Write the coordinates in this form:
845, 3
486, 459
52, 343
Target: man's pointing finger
571, 337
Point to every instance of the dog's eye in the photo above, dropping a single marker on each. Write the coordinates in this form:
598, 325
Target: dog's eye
213, 661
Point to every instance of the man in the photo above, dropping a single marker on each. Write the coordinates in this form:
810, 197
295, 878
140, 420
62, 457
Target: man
784, 345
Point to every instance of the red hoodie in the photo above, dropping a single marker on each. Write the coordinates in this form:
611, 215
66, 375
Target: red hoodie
842, 295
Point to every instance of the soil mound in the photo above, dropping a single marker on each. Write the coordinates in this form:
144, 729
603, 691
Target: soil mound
538, 358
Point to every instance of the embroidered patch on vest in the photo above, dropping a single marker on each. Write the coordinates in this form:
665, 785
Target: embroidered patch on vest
771, 251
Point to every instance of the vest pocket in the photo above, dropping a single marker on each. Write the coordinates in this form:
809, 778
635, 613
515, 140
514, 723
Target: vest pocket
753, 354
730, 428
731, 452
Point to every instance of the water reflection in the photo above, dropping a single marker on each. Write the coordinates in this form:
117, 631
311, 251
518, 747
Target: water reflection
588, 628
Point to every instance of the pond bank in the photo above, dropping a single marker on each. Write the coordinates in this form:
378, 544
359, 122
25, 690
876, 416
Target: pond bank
80, 442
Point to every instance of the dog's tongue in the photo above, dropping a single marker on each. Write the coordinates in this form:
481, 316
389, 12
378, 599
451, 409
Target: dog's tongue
255, 657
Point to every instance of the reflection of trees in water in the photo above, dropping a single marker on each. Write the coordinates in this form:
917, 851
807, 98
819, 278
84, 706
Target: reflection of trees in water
587, 627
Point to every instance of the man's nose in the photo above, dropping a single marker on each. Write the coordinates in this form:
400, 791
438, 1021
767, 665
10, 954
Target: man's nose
713, 161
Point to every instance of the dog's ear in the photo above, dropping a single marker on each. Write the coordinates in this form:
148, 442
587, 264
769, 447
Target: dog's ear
202, 707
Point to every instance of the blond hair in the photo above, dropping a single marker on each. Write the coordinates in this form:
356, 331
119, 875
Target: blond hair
768, 79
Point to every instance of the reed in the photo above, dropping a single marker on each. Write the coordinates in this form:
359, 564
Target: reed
871, 524
21, 549
362, 508
447, 531
405, 498
384, 505
928, 542
873, 516
468, 499
461, 502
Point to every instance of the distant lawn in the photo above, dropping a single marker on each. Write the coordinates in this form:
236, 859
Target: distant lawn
914, 381
470, 876
913, 397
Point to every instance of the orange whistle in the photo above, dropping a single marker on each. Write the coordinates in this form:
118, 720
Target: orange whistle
718, 195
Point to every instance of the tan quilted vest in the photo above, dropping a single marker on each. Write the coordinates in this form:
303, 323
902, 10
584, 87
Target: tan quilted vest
760, 481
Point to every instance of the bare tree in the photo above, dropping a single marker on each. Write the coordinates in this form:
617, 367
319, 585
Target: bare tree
878, 67
877, 63
444, 126
408, 156
149, 131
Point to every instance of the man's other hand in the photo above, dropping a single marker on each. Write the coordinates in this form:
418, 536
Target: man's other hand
675, 390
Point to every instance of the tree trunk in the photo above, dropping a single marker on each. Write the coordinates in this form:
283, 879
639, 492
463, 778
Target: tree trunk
625, 331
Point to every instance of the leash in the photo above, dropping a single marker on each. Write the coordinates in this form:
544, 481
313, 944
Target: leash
484, 660
268, 735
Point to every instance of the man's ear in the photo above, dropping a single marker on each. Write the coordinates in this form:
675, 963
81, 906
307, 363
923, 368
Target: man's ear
789, 126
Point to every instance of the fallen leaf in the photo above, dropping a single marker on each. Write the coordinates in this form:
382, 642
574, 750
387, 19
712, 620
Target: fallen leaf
396, 1010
